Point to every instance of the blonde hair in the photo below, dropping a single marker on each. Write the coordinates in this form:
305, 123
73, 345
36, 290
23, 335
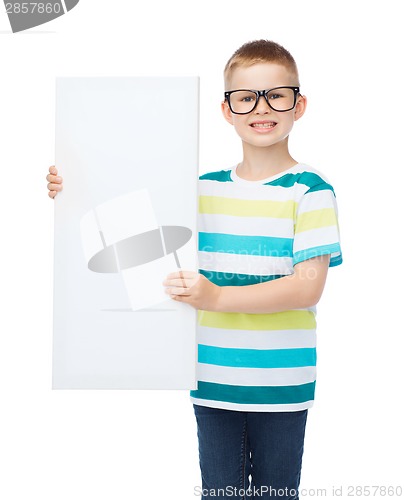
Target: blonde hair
260, 51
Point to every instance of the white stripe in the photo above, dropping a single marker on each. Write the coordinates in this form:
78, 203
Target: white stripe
260, 192
248, 226
255, 376
256, 265
315, 237
224, 405
317, 200
297, 169
256, 339
239, 188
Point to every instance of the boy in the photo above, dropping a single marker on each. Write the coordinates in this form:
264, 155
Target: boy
268, 232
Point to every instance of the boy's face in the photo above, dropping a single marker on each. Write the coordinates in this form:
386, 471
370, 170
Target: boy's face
263, 127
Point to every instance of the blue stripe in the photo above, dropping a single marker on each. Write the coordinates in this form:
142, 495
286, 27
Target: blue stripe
239, 279
309, 253
257, 358
255, 394
251, 245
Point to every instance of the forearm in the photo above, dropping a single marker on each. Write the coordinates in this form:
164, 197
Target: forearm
273, 296
297, 291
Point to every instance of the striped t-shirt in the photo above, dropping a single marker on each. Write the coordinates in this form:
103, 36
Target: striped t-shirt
251, 232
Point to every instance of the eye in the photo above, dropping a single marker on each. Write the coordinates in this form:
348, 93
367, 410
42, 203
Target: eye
243, 96
275, 96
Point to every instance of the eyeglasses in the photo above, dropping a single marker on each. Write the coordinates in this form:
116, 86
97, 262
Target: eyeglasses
243, 101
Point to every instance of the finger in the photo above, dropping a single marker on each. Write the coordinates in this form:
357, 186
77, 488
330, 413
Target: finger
55, 187
181, 283
177, 291
183, 280
52, 194
180, 298
177, 283
54, 178
182, 275
53, 170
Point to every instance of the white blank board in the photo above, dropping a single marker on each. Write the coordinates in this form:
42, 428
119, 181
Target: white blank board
127, 149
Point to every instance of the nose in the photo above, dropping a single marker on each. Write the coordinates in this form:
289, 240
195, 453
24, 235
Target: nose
262, 105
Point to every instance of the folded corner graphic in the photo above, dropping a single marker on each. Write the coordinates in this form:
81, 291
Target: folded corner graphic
122, 236
26, 15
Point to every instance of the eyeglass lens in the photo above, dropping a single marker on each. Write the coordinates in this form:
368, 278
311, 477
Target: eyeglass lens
243, 101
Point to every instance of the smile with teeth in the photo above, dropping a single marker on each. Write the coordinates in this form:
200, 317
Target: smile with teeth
263, 124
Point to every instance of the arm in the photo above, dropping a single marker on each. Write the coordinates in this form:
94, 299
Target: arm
297, 291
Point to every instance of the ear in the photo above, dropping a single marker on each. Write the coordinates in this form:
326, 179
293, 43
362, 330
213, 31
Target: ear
228, 115
300, 107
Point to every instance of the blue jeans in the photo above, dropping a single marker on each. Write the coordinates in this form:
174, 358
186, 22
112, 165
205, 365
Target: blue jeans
234, 445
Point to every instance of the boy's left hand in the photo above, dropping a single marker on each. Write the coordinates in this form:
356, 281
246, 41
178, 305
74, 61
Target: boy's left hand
192, 288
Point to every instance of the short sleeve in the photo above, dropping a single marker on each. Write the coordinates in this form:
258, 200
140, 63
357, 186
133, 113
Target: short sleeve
316, 226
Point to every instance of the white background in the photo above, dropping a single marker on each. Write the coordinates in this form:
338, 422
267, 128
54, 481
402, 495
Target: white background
98, 445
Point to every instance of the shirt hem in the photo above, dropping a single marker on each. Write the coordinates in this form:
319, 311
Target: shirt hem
225, 405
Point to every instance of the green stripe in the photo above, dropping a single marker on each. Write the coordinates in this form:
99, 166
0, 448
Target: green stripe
313, 181
239, 279
247, 208
257, 358
321, 187
286, 320
336, 261
221, 176
255, 394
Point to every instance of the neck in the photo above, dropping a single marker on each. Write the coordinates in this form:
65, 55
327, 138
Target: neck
260, 163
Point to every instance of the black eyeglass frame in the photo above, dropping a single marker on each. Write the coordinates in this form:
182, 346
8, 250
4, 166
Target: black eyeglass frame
262, 93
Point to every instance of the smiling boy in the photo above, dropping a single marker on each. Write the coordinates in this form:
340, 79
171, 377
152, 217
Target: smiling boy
268, 232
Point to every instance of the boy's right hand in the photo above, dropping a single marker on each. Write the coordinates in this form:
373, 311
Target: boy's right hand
55, 182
